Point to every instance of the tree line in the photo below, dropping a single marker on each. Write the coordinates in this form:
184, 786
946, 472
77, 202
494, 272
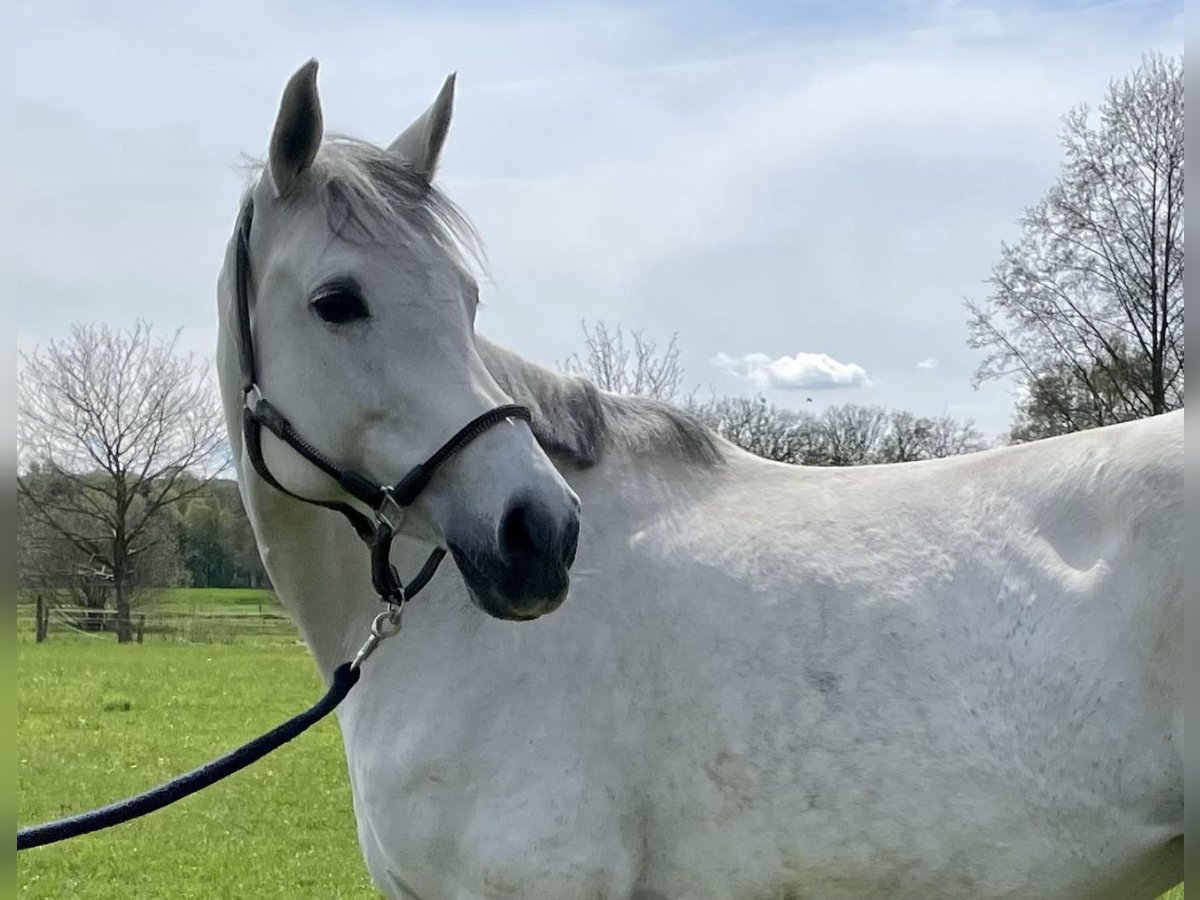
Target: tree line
845, 435
121, 446
201, 540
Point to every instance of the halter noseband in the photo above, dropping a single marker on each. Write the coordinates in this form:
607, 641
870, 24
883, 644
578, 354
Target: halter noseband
386, 502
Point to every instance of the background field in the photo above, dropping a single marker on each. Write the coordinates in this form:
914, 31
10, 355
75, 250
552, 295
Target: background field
97, 721
214, 600
174, 615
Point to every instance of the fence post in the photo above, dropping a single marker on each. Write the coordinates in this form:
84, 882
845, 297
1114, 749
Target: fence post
41, 621
141, 627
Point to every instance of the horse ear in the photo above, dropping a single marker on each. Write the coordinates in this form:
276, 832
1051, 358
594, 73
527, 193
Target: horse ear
421, 143
298, 128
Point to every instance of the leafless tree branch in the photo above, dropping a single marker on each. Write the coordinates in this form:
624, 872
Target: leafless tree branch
113, 429
1086, 309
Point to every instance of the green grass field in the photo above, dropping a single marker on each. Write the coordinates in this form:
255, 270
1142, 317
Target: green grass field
97, 721
212, 600
184, 615
209, 600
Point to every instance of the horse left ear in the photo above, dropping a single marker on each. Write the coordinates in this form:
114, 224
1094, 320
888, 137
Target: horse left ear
298, 129
421, 143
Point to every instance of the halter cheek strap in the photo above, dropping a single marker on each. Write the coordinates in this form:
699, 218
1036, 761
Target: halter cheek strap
386, 502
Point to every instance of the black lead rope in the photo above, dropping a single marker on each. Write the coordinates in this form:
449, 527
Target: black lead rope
385, 502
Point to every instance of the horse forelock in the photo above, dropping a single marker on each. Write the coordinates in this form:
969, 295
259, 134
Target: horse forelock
371, 194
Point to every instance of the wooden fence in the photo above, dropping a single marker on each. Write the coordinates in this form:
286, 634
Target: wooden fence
48, 621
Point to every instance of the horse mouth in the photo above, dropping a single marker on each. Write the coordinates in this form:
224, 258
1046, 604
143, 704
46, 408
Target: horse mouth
518, 592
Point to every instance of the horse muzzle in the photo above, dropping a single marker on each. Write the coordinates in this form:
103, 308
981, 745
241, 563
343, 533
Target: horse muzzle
522, 570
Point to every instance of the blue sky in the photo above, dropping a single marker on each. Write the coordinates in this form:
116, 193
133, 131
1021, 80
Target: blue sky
803, 191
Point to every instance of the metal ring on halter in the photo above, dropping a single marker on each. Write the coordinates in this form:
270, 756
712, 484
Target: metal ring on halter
388, 622
383, 626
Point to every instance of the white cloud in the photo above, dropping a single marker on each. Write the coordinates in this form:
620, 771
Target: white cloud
804, 371
928, 363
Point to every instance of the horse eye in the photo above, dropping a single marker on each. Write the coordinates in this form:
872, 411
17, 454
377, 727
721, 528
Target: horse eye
338, 305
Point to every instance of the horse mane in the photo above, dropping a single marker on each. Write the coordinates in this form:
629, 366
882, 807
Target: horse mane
575, 421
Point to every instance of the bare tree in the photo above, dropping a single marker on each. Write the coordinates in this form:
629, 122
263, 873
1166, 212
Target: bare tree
112, 422
77, 586
904, 439
852, 435
1087, 309
641, 369
50, 567
762, 428
944, 436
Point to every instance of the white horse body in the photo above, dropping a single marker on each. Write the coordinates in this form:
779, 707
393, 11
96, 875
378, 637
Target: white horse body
949, 679
959, 678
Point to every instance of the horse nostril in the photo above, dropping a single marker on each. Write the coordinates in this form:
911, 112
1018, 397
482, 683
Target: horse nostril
515, 536
531, 531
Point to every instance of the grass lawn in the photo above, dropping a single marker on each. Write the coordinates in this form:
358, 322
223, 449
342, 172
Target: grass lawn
97, 721
189, 615
192, 600
213, 600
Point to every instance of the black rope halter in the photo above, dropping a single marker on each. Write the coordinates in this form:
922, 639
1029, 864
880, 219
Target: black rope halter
387, 503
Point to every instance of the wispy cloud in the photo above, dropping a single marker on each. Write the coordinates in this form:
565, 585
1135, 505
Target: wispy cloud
818, 174
928, 363
804, 371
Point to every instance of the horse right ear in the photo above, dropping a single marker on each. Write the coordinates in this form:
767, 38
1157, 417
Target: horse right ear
420, 146
298, 129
